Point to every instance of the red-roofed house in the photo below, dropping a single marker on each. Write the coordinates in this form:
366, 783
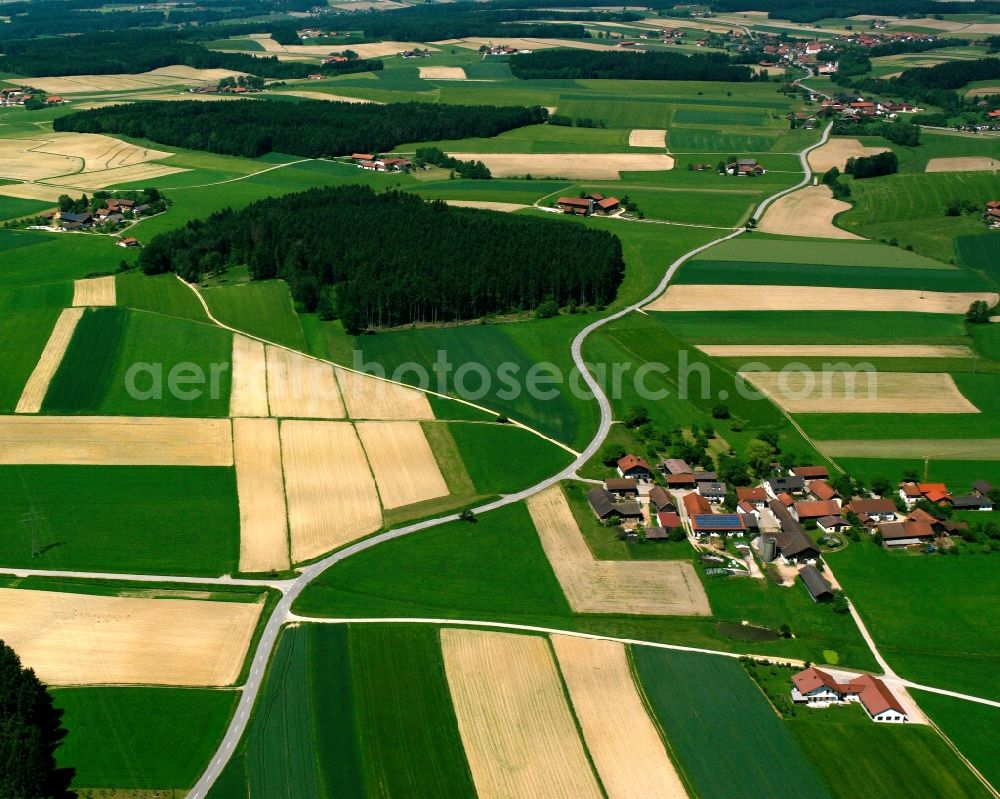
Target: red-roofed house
756, 496
817, 688
668, 520
635, 467
695, 505
577, 206
815, 509
822, 490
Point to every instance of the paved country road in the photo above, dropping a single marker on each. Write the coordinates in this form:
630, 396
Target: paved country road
282, 611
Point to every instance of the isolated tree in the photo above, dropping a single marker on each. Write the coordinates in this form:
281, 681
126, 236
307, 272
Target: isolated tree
30, 733
759, 454
611, 453
880, 485
978, 313
636, 416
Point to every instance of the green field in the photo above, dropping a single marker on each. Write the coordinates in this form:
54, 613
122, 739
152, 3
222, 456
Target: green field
263, 309
127, 738
351, 712
920, 758
979, 252
928, 613
972, 728
774, 274
487, 451
815, 327
956, 474
135, 363
706, 705
15, 207
163, 294
24, 334
763, 248
83, 376
131, 519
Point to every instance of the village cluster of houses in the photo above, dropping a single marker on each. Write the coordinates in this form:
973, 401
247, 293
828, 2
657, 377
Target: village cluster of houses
592, 203
500, 49
819, 689
21, 95
377, 163
777, 511
114, 210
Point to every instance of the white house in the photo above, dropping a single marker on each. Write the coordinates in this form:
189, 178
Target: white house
816, 688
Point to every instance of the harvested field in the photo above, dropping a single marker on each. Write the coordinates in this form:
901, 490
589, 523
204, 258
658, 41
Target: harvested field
486, 205
308, 95
983, 91
69, 155
85, 639
48, 363
301, 387
95, 291
115, 441
808, 391
372, 50
329, 487
616, 728
20, 160
836, 152
368, 397
664, 588
697, 297
519, 735
806, 212
647, 138
475, 42
115, 177
248, 395
606, 166
261, 491
164, 76
32, 191
976, 163
835, 350
404, 465
442, 73
966, 449
192, 74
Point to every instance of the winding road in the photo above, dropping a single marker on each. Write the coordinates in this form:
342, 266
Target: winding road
283, 610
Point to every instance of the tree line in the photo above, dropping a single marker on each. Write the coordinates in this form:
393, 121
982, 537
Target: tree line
560, 64
469, 170
428, 23
121, 52
872, 166
390, 259
30, 732
316, 129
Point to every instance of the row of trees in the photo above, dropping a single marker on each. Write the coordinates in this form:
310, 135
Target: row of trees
129, 51
470, 170
900, 132
390, 259
317, 128
872, 166
562, 64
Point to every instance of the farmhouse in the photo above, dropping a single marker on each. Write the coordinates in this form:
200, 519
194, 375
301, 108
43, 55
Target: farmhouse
906, 533
622, 486
604, 205
909, 493
681, 480
713, 492
822, 490
816, 688
982, 488
695, 504
810, 472
669, 520
792, 542
873, 510
832, 524
784, 485
815, 509
756, 497
602, 502
661, 499
674, 466
129, 243
816, 584
730, 524
744, 167
577, 206
383, 164
634, 467
972, 502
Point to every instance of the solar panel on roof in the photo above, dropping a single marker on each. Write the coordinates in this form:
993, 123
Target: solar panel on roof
718, 521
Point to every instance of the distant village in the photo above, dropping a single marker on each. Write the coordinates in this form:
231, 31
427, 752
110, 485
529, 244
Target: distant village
29, 98
788, 518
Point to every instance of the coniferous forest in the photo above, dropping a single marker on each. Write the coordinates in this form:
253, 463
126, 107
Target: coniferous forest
310, 128
388, 259
561, 64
